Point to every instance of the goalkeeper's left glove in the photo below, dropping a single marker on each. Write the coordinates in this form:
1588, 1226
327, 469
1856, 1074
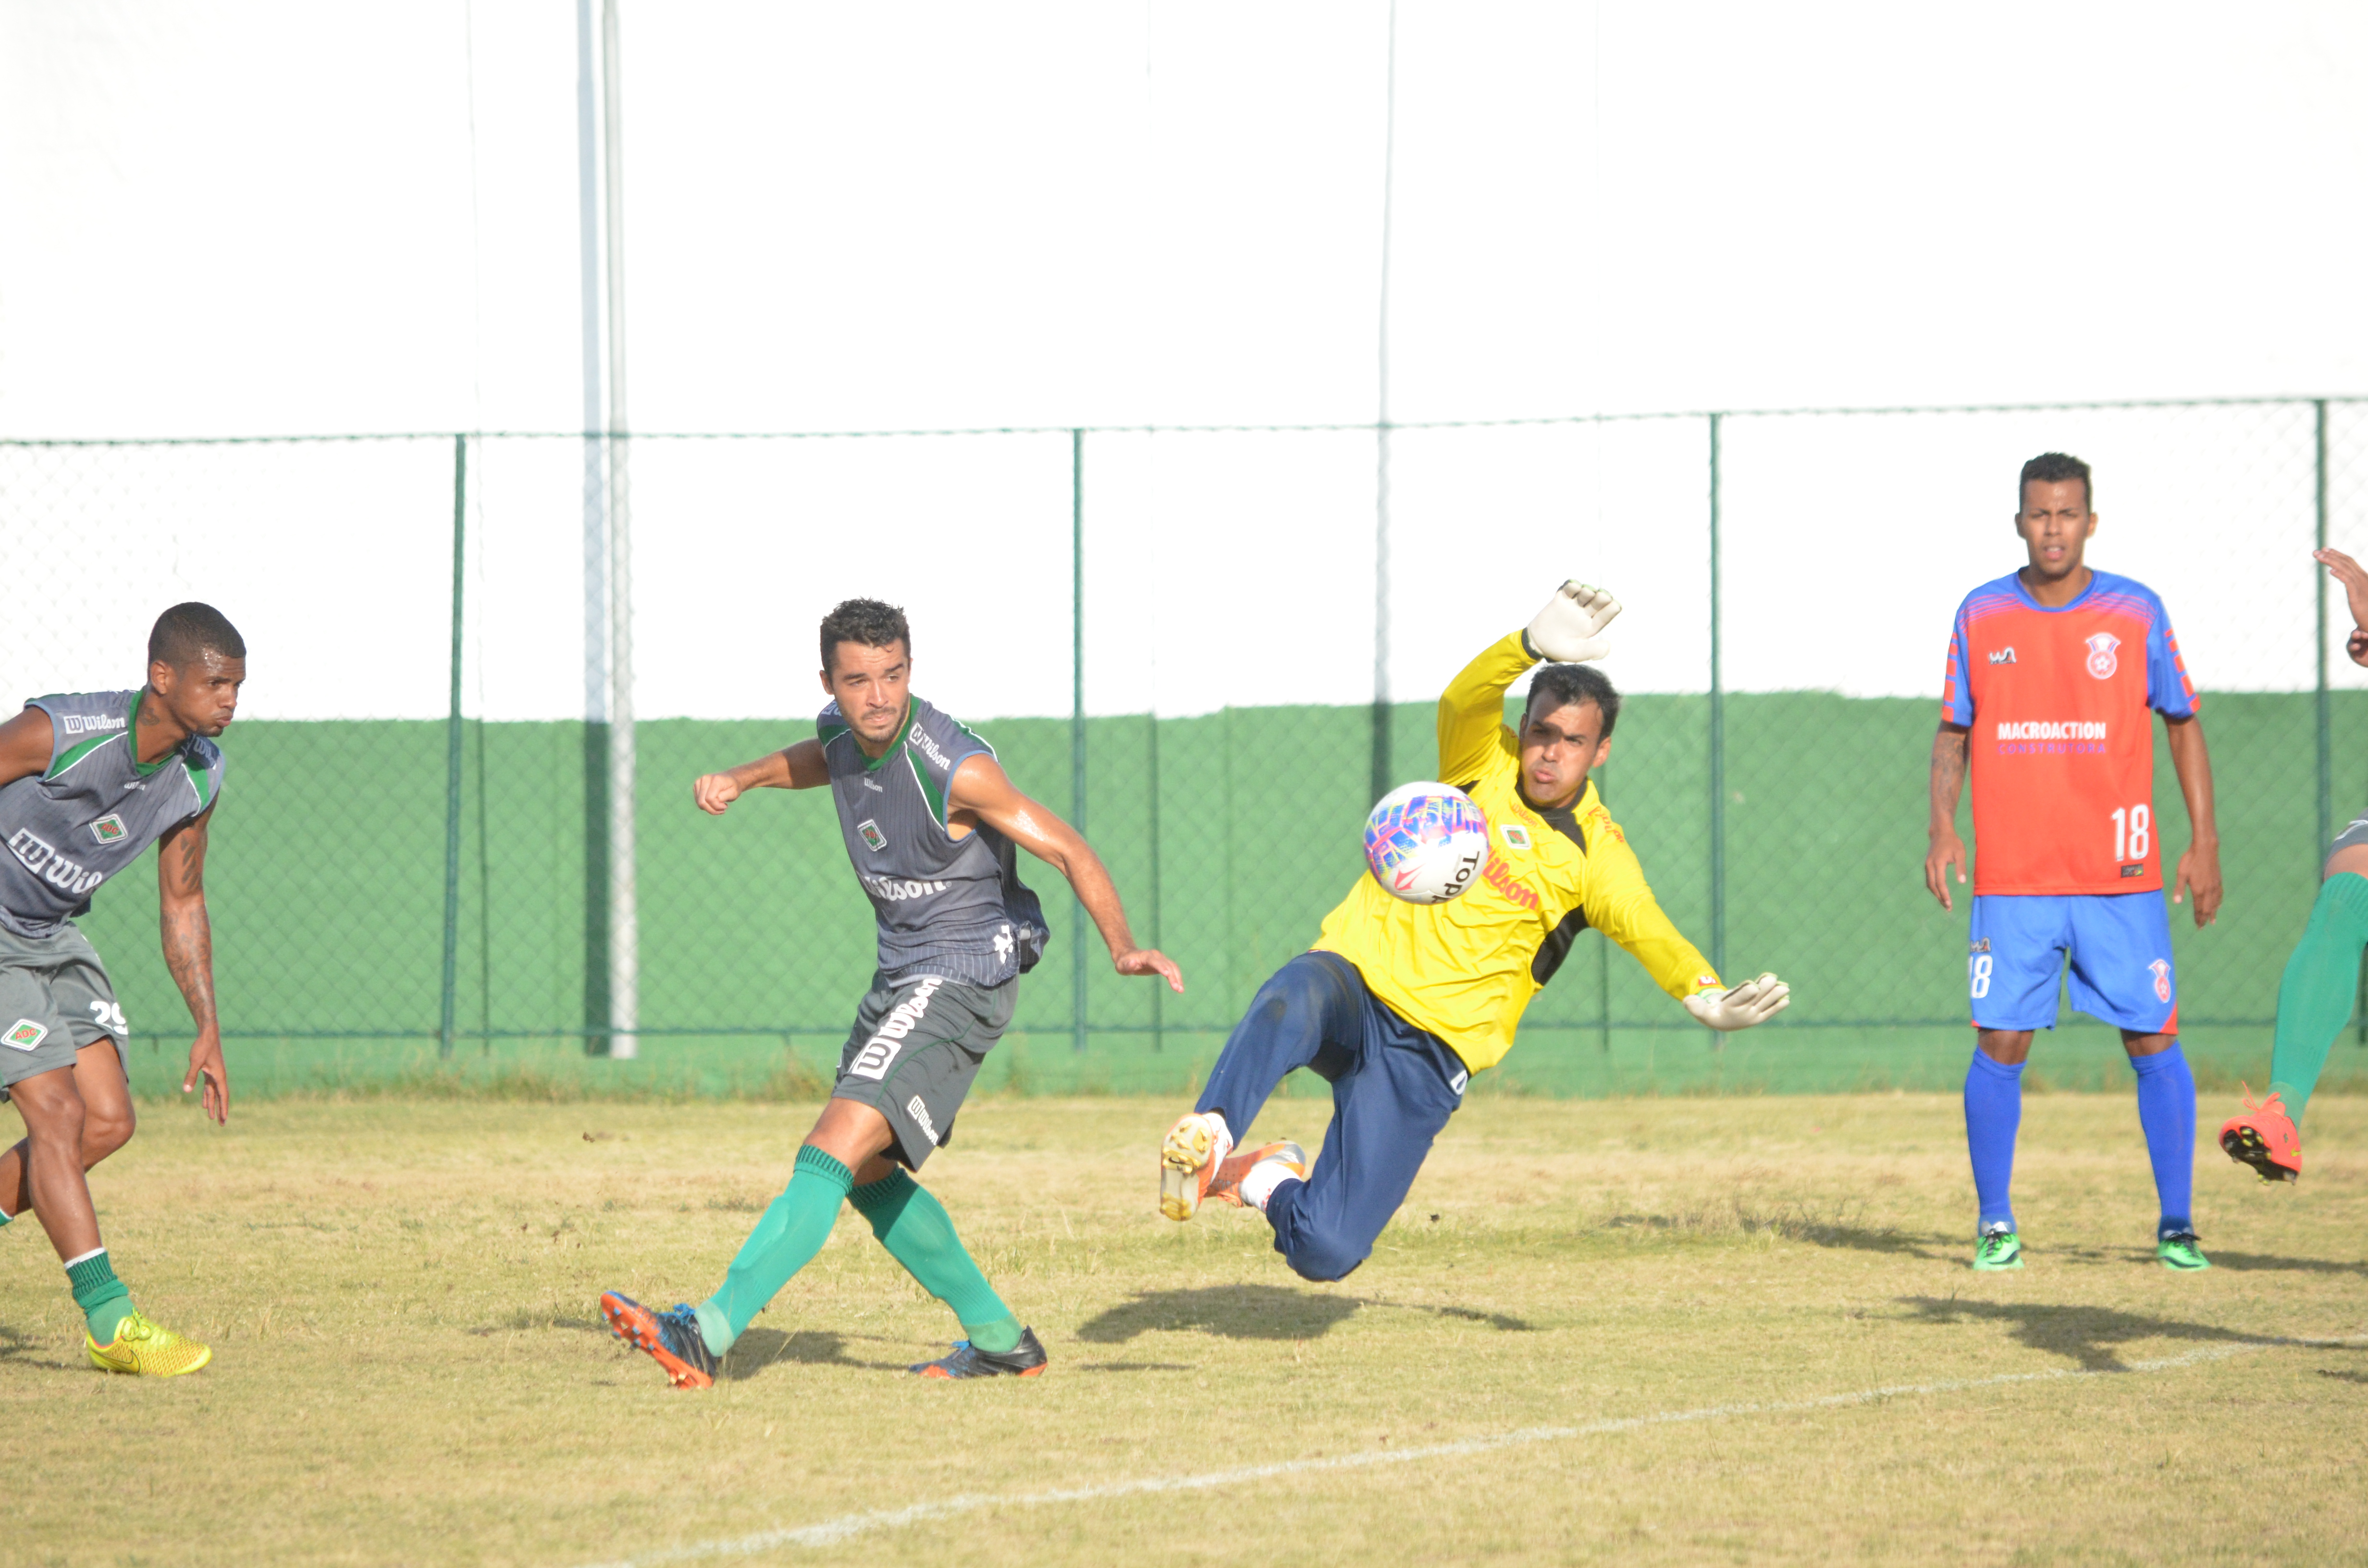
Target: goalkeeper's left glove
1569, 630
1753, 1002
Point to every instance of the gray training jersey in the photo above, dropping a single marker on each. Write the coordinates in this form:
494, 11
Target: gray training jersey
946, 905
93, 810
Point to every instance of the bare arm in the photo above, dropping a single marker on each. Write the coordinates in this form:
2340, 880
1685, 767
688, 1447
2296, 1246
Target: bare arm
25, 743
189, 952
981, 789
800, 766
2200, 867
1949, 753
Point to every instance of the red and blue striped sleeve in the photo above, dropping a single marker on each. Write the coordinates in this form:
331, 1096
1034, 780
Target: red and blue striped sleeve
1956, 680
2169, 690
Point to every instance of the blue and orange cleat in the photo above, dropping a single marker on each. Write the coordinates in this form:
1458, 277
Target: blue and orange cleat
670, 1338
2264, 1137
1025, 1359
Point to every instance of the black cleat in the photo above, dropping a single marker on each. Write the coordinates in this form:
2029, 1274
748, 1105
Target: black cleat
1025, 1359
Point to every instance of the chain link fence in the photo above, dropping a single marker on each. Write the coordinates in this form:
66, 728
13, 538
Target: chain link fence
485, 668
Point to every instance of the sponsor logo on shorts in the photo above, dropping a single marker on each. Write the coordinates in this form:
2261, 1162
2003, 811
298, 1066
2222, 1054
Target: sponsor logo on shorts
1004, 942
109, 829
873, 1061
2160, 970
920, 1115
2102, 661
24, 1034
2001, 655
871, 833
1516, 835
41, 857
89, 723
1462, 1076
895, 890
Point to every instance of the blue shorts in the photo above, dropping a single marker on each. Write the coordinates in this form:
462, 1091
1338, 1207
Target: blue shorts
2120, 947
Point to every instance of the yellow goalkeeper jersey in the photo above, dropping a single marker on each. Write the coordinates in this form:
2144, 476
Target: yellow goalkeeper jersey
1464, 971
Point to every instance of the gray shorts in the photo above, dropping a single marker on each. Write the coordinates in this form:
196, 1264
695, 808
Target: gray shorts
913, 1052
55, 998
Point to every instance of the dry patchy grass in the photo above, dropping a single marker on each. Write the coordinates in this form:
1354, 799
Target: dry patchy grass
409, 1366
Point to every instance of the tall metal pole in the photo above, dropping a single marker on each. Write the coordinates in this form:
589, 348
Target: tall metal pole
2318, 580
1717, 731
590, 272
1077, 718
1383, 771
452, 761
624, 909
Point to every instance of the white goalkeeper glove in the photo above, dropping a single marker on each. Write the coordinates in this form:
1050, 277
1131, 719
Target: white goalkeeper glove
1753, 1002
1569, 630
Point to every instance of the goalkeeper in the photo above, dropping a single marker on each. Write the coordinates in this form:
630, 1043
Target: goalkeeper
1398, 1005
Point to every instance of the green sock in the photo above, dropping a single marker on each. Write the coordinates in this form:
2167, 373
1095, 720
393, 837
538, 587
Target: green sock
915, 1228
105, 1301
2315, 995
784, 1241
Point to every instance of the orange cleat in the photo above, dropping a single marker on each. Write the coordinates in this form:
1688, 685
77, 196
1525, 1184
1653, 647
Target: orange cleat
1225, 1186
2264, 1137
670, 1338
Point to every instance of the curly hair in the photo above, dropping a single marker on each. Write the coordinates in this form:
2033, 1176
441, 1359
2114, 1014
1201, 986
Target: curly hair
2053, 468
868, 622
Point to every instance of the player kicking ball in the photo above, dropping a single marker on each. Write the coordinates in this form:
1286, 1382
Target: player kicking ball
2316, 995
2052, 673
930, 822
88, 780
1399, 1004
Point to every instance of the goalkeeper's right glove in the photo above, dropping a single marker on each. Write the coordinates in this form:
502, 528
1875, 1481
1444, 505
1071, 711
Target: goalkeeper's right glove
1753, 1002
1569, 630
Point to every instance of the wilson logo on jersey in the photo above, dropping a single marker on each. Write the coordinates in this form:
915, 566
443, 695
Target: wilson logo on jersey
873, 1061
90, 725
41, 857
890, 889
2101, 660
871, 834
1496, 876
921, 743
2002, 656
109, 829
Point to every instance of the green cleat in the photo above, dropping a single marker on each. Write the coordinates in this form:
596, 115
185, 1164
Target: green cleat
2180, 1252
1999, 1248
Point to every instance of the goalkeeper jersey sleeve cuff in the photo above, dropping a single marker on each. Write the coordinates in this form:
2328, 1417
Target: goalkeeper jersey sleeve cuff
1531, 648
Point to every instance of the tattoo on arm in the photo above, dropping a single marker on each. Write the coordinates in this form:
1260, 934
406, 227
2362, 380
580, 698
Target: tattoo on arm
1950, 750
187, 933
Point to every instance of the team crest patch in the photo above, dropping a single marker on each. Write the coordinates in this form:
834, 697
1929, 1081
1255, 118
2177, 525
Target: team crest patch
24, 1034
872, 835
1516, 835
2161, 972
2101, 660
109, 829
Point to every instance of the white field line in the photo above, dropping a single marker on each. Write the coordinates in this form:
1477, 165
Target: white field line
832, 1531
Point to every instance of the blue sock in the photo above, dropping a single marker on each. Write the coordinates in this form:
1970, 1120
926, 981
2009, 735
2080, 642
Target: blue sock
1993, 1115
2167, 1111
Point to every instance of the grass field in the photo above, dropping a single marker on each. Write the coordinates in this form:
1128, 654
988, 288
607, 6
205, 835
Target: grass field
1659, 1331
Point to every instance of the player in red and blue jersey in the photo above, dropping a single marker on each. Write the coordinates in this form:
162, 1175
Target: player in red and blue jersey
2054, 672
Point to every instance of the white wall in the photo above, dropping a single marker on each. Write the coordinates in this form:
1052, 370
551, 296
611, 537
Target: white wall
251, 218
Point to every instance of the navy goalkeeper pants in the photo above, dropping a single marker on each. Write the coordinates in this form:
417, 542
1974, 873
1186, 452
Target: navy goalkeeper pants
1393, 1086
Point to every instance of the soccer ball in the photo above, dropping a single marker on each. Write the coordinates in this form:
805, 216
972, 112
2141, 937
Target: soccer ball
1426, 843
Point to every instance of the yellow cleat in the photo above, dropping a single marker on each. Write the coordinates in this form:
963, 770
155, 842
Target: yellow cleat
1188, 1160
147, 1349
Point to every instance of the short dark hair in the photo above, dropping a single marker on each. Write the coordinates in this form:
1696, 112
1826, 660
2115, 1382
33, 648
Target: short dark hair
1562, 684
2055, 468
188, 632
868, 622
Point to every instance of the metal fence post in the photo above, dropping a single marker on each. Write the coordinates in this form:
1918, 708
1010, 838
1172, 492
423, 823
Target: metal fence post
1717, 731
2319, 584
1158, 1005
1077, 718
452, 760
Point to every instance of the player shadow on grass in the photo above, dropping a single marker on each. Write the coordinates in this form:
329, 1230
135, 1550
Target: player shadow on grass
1254, 1312
760, 1348
2256, 1262
20, 1350
2087, 1335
